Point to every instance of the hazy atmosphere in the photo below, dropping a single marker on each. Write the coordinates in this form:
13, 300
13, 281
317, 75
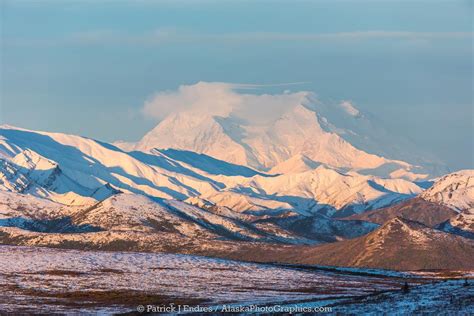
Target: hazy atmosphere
93, 67
246, 157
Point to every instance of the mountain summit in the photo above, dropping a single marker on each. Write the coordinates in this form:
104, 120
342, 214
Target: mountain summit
305, 133
399, 244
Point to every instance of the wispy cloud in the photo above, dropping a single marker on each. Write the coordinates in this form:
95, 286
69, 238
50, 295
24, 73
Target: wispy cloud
169, 35
342, 35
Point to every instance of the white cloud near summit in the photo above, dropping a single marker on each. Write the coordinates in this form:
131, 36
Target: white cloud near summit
349, 108
222, 99
202, 97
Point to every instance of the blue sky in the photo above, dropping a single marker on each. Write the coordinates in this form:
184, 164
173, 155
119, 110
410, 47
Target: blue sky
87, 67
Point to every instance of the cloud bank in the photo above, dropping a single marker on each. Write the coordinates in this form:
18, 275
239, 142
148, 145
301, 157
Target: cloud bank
223, 99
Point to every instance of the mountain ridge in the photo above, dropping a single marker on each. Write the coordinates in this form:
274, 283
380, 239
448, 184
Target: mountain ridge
300, 131
82, 165
399, 244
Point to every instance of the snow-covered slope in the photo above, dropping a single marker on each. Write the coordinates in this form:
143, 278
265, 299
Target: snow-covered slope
297, 163
132, 212
17, 205
136, 214
368, 133
326, 190
31, 213
197, 133
455, 190
447, 205
232, 128
15, 178
462, 224
75, 170
68, 163
301, 133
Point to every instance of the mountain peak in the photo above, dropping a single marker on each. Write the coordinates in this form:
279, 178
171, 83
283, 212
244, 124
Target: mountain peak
297, 133
402, 222
264, 130
455, 190
297, 163
400, 228
399, 244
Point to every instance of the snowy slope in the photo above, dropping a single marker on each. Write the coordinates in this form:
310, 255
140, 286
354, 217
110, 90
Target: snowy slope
133, 213
462, 224
447, 204
296, 164
329, 190
369, 134
83, 166
455, 190
14, 178
35, 214
76, 170
298, 132
194, 132
305, 130
16, 205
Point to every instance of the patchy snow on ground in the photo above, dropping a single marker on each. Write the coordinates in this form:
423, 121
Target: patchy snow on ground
450, 297
44, 280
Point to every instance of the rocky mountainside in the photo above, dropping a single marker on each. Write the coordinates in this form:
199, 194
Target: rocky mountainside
417, 209
461, 224
449, 201
399, 244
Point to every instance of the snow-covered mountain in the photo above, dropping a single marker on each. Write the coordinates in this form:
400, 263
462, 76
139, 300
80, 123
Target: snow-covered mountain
308, 134
368, 133
24, 215
136, 223
66, 191
446, 205
75, 170
322, 190
461, 224
298, 132
455, 190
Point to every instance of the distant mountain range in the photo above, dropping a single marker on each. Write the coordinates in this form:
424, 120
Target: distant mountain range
76, 170
308, 134
399, 244
298, 189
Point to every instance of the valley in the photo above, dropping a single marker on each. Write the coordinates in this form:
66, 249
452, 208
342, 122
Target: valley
43, 280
